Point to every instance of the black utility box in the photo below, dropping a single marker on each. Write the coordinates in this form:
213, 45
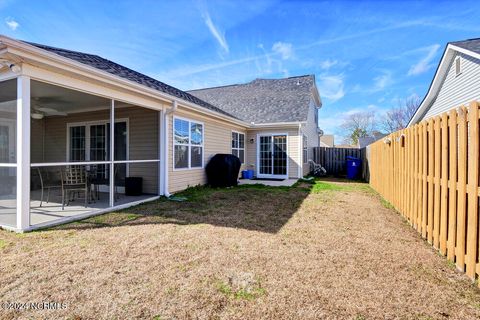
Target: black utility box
133, 186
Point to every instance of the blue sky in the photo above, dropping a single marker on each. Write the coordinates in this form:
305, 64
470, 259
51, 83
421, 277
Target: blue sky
366, 55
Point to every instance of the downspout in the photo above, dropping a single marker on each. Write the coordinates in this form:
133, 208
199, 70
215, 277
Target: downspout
300, 142
165, 147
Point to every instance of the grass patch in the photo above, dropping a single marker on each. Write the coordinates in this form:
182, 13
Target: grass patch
3, 244
325, 186
240, 294
386, 204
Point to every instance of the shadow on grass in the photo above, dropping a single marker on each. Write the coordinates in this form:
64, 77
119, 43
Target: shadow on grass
252, 207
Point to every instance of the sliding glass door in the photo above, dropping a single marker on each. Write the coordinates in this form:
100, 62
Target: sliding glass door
272, 156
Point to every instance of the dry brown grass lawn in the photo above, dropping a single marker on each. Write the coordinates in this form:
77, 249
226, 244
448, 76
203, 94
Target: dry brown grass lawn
331, 251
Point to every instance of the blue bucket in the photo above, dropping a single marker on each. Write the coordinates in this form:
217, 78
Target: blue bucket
247, 174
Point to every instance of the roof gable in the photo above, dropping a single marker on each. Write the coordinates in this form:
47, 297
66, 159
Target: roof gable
264, 100
469, 47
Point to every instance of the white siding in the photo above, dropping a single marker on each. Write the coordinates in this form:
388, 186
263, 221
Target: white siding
457, 90
310, 130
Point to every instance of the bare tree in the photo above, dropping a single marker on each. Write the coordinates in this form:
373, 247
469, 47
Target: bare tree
397, 118
358, 125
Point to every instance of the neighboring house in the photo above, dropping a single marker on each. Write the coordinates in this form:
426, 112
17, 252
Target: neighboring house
366, 141
327, 140
84, 132
456, 81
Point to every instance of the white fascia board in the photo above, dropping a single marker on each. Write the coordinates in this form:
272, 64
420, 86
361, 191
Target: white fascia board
33, 53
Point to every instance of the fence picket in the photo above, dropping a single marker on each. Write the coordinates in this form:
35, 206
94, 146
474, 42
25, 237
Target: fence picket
452, 197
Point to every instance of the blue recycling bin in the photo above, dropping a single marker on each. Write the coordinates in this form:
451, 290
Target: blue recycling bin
353, 168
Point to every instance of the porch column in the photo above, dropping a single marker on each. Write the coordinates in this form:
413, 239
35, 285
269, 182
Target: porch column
23, 152
112, 154
161, 132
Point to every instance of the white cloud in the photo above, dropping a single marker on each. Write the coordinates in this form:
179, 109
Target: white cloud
425, 63
284, 49
382, 81
327, 64
217, 34
12, 24
331, 87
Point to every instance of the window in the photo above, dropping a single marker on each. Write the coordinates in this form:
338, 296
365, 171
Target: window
458, 66
188, 144
238, 145
305, 149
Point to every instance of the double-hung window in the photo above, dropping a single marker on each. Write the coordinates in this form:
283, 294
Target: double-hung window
238, 145
187, 144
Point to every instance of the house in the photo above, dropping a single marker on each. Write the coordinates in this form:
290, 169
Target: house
327, 140
456, 81
81, 135
366, 141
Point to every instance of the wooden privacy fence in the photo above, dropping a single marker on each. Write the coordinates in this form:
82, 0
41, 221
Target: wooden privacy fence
333, 159
430, 174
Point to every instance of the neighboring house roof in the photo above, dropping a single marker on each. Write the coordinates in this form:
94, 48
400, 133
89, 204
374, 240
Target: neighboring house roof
470, 44
265, 100
129, 74
327, 140
470, 47
366, 141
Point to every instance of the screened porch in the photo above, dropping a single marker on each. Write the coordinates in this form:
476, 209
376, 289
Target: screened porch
85, 154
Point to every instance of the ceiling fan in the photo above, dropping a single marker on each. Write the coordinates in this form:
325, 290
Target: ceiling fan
39, 111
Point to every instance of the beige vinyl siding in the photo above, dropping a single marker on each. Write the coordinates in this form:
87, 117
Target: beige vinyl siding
143, 139
310, 130
457, 90
293, 145
37, 140
217, 139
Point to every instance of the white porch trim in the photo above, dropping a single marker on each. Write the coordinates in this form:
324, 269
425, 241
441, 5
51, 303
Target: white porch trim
23, 152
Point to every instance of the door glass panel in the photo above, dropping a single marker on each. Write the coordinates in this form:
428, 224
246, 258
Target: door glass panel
265, 155
98, 148
280, 155
77, 143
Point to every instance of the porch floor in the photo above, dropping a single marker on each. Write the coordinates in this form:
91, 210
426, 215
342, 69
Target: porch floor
271, 183
53, 210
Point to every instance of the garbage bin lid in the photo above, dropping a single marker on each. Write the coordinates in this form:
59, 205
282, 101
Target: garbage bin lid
352, 158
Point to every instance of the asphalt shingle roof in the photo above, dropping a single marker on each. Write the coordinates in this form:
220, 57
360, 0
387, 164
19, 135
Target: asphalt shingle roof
263, 100
128, 74
470, 44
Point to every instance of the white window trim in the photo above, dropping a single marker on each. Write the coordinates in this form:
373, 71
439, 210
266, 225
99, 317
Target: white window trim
189, 145
244, 145
257, 161
87, 136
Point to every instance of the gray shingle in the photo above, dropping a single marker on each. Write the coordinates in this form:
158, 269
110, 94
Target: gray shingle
263, 100
470, 44
128, 74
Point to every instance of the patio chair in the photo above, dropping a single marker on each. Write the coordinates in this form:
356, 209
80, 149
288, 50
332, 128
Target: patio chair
317, 169
74, 181
47, 183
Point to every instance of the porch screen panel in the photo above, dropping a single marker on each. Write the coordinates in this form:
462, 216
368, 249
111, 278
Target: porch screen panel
136, 153
8, 150
69, 153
